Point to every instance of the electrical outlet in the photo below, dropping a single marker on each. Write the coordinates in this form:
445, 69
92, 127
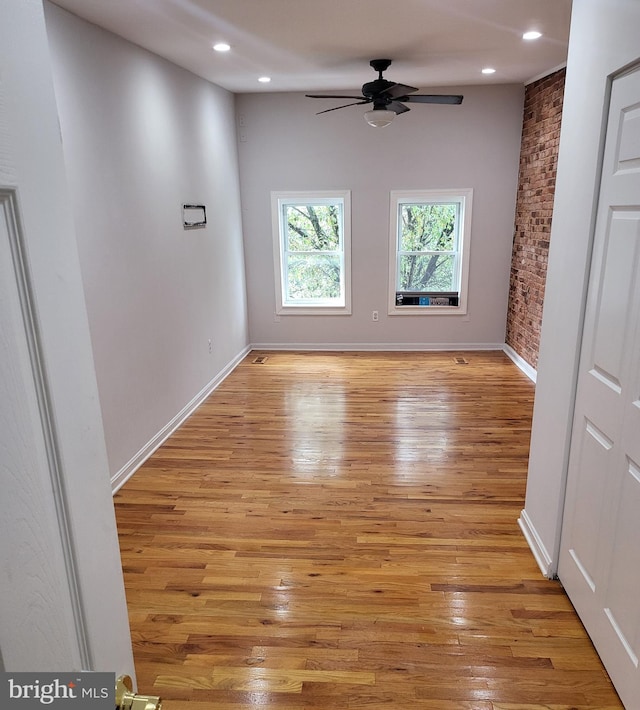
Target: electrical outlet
374, 316
210, 346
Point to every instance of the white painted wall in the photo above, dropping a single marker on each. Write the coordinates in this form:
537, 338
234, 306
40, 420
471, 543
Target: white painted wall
52, 446
142, 137
287, 147
604, 38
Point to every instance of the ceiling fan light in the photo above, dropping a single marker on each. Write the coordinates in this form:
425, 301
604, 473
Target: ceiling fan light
378, 118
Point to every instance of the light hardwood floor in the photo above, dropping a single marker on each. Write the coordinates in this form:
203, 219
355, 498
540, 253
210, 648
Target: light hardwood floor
338, 532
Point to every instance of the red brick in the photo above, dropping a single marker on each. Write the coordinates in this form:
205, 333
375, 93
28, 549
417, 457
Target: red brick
536, 187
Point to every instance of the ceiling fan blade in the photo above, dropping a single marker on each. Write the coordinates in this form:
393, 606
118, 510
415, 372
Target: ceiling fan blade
335, 108
431, 99
330, 96
397, 107
396, 91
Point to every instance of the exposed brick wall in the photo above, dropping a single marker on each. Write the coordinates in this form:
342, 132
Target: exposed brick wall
534, 206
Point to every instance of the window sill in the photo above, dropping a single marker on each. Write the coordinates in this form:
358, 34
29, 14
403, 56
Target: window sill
313, 311
428, 311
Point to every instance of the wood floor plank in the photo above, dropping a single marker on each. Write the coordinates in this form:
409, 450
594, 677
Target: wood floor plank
338, 530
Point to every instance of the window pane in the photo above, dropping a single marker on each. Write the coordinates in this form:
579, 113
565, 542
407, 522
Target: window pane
426, 272
313, 277
427, 227
313, 227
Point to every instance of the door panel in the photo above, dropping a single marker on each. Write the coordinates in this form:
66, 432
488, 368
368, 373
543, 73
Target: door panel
600, 548
30, 545
622, 598
595, 451
612, 316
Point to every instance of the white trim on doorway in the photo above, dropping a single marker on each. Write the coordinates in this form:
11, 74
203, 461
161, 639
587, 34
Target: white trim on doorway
542, 557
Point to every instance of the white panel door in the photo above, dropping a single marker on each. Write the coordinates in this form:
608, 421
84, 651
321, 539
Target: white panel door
600, 548
61, 587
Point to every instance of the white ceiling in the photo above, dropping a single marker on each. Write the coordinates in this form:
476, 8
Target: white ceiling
326, 45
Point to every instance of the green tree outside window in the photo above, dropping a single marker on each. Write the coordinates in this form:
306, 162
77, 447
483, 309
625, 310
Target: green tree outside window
313, 252
427, 246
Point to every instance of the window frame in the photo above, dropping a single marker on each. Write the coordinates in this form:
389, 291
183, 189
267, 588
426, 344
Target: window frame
463, 197
279, 199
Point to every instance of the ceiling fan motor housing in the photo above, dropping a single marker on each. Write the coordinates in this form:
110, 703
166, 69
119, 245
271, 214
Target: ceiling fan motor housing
373, 88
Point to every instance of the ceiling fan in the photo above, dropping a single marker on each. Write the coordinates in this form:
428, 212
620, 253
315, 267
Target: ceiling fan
388, 98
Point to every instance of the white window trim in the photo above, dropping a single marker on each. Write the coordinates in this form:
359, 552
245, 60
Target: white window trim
398, 197
278, 199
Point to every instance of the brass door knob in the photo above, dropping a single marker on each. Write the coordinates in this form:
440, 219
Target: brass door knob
126, 699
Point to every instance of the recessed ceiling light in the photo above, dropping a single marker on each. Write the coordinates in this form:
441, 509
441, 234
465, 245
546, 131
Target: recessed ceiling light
264, 79
532, 35
222, 47
488, 70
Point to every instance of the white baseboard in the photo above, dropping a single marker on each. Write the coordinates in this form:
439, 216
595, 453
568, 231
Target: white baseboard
125, 473
537, 546
378, 347
522, 364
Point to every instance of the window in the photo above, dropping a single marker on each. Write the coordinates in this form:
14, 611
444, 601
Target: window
311, 233
429, 251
